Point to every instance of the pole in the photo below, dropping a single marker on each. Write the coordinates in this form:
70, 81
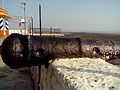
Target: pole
24, 15
40, 18
3, 4
32, 24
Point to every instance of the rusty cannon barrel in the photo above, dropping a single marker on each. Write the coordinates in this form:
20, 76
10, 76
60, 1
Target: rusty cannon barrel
22, 50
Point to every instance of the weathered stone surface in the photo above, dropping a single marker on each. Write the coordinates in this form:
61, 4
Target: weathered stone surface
80, 74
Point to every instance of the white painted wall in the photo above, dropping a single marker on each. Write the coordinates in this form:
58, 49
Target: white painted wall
79, 74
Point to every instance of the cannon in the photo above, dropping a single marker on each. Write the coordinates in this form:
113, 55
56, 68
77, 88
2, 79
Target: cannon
23, 50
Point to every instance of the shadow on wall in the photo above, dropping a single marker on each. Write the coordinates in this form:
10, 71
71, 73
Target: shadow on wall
90, 71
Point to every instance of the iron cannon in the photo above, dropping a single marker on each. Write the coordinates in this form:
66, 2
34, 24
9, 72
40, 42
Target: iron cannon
23, 50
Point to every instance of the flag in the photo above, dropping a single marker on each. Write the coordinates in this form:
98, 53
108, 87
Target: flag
20, 24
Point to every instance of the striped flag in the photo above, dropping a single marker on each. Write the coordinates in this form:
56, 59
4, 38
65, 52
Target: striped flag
6, 25
1, 24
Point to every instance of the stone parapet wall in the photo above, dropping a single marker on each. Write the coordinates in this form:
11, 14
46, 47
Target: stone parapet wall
77, 74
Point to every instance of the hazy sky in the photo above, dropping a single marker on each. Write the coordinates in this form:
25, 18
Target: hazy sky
72, 15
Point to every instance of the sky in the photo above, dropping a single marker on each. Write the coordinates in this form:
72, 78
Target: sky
98, 16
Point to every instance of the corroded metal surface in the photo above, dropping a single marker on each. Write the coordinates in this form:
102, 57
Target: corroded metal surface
105, 49
18, 51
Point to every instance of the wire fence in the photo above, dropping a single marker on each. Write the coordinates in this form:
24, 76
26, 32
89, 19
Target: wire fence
47, 30
17, 23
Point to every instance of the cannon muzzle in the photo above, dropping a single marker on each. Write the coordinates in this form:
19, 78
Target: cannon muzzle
22, 50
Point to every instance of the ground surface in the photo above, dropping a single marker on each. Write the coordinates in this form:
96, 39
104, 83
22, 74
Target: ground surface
11, 79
